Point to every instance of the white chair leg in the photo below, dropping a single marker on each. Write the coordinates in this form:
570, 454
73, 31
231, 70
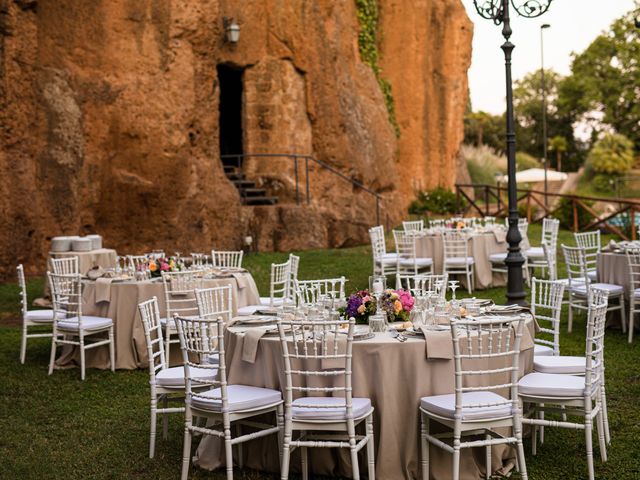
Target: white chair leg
588, 438
522, 463
186, 449
487, 459
152, 435
534, 437
286, 454
631, 319
228, 452
601, 438
623, 312
355, 468
112, 350
424, 446
456, 455
23, 344
82, 357
605, 412
570, 324
280, 423
52, 357
542, 426
167, 344
371, 460
239, 446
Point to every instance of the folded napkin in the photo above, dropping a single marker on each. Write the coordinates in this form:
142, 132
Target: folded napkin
95, 272
241, 279
500, 234
103, 290
250, 344
438, 344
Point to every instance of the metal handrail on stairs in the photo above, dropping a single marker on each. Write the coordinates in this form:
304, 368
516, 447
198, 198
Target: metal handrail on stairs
305, 159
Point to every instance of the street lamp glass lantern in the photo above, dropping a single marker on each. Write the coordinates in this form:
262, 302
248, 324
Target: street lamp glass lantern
232, 31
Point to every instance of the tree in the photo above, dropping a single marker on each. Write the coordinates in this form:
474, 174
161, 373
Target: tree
603, 86
482, 128
558, 144
612, 155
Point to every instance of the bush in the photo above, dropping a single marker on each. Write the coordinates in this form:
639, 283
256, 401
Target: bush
604, 183
612, 154
483, 163
564, 213
439, 201
524, 161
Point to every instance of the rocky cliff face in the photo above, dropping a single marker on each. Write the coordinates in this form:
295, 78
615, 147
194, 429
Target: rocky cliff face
109, 120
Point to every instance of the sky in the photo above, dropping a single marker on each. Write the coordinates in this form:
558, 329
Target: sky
574, 25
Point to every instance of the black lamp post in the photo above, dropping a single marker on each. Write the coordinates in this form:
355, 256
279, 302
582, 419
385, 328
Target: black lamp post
545, 158
498, 12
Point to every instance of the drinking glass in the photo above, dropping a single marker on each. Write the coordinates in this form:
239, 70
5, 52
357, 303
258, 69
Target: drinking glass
378, 323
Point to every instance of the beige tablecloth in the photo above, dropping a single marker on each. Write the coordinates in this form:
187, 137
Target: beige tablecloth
613, 268
480, 247
131, 350
394, 376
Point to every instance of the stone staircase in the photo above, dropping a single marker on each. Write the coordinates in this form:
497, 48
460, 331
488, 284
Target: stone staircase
249, 193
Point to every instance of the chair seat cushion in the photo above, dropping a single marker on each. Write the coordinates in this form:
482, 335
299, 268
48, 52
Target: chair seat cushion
560, 364
498, 257
535, 252
636, 293
249, 310
542, 351
88, 323
174, 376
212, 359
43, 316
459, 261
612, 289
360, 408
551, 385
390, 257
241, 397
266, 301
445, 405
420, 262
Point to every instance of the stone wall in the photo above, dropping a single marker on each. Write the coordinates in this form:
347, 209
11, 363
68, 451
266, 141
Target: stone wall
109, 119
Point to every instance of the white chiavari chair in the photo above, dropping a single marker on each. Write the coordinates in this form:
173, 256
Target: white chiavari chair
490, 348
213, 399
580, 285
65, 265
167, 383
227, 259
457, 259
413, 226
279, 285
179, 297
70, 326
324, 416
408, 262
310, 292
424, 283
295, 266
574, 394
544, 256
633, 257
211, 305
32, 318
497, 260
590, 243
383, 263
135, 262
546, 307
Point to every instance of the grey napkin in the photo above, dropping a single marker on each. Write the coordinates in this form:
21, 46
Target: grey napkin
103, 290
438, 344
241, 279
250, 344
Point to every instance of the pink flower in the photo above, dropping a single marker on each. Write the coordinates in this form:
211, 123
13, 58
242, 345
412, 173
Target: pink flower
406, 299
361, 309
164, 267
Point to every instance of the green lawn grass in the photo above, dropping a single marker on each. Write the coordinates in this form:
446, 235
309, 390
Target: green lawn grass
59, 427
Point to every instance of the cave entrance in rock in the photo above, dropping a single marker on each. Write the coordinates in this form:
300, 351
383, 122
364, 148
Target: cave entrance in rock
230, 112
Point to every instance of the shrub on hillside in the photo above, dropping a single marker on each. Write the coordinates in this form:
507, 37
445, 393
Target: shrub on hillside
612, 155
483, 163
524, 161
564, 213
439, 201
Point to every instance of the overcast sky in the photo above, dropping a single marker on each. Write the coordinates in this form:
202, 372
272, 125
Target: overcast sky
574, 24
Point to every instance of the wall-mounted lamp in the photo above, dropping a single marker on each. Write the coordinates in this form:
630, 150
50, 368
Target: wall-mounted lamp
231, 30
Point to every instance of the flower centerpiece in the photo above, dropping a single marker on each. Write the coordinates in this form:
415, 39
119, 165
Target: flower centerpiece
158, 265
360, 306
397, 304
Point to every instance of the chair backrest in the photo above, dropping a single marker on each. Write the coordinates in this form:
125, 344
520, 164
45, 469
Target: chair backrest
425, 282
227, 259
436, 223
546, 307
295, 265
200, 338
550, 228
23, 290
66, 296
633, 257
590, 243
378, 245
179, 290
215, 302
487, 348
305, 345
150, 314
576, 264
309, 292
456, 244
135, 261
155, 254
413, 226
198, 259
596, 321
65, 265
280, 281
406, 249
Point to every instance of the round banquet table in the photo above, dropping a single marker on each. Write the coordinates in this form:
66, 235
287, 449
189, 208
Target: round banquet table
612, 267
394, 376
122, 308
481, 246
102, 257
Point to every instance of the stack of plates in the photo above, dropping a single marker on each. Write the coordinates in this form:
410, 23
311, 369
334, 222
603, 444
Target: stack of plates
96, 241
61, 244
80, 244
